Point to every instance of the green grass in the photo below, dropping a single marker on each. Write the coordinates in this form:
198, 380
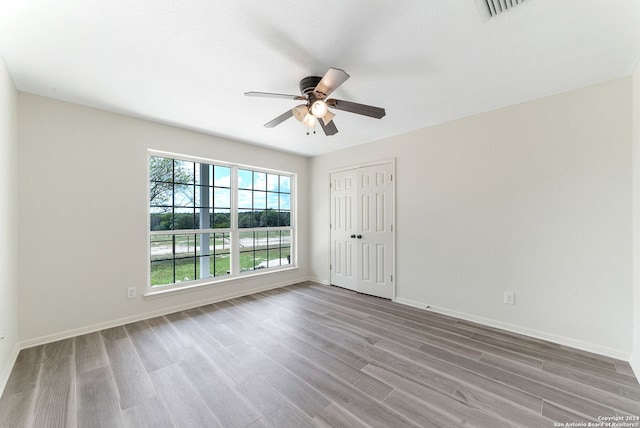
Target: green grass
188, 268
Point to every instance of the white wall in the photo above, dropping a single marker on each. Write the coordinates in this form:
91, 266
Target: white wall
635, 359
8, 225
534, 199
82, 204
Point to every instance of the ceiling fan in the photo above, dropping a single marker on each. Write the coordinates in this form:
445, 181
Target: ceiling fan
315, 90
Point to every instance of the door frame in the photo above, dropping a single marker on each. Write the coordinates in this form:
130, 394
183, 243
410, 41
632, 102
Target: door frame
387, 161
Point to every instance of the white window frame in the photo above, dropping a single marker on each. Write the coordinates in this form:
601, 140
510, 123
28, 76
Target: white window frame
233, 231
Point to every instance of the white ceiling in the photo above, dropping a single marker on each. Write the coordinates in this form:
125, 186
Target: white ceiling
188, 63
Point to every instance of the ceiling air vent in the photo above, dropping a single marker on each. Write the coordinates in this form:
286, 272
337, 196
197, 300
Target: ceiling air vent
491, 8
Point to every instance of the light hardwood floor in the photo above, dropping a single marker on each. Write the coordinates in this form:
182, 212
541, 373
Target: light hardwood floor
311, 355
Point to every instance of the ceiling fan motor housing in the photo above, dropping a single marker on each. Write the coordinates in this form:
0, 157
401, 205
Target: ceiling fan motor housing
308, 84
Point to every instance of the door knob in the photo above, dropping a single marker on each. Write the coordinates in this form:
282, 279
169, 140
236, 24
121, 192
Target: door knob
359, 236
353, 236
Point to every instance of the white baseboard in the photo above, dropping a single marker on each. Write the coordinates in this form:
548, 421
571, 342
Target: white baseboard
560, 340
318, 280
635, 364
143, 316
6, 370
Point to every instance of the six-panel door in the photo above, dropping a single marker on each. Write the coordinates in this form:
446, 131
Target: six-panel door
361, 229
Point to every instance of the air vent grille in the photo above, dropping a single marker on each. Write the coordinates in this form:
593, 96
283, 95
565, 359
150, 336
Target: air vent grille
495, 7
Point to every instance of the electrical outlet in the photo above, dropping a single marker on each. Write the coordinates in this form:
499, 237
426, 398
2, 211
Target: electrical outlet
131, 293
509, 298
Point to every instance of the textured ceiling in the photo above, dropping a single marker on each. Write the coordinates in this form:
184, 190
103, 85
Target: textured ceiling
188, 63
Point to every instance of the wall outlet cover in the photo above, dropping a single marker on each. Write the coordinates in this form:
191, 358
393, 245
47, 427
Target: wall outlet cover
509, 298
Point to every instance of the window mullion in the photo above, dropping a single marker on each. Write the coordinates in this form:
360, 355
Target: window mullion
234, 235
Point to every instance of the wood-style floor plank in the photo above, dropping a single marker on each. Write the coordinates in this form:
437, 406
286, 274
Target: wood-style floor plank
55, 392
149, 413
309, 355
98, 399
90, 353
148, 346
131, 378
187, 408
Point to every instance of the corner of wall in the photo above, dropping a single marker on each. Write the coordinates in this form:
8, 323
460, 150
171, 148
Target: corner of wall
9, 345
635, 85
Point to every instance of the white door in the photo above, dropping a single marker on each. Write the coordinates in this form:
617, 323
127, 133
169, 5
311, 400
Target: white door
343, 229
362, 244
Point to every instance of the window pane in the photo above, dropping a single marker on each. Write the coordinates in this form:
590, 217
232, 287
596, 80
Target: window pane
185, 269
160, 170
286, 246
285, 254
161, 247
245, 179
269, 218
183, 195
285, 237
183, 218
204, 218
259, 181
185, 245
245, 198
183, 171
259, 200
161, 218
274, 249
203, 174
285, 218
285, 201
222, 243
221, 176
161, 272
245, 218
272, 200
285, 184
261, 250
247, 251
160, 193
272, 182
221, 265
222, 198
221, 219
203, 196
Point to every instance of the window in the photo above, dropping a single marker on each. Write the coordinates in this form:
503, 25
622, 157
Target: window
209, 220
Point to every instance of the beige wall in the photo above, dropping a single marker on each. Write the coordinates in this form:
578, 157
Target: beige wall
533, 198
82, 203
8, 225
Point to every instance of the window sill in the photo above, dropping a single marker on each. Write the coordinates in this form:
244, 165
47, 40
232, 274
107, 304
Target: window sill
154, 294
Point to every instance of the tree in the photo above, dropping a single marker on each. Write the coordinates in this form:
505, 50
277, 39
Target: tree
160, 180
163, 172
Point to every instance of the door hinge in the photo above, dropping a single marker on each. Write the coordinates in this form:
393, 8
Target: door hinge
330, 267
392, 228
391, 278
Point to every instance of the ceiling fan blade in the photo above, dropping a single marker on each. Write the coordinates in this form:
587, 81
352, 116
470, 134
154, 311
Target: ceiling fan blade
331, 80
365, 110
329, 128
272, 95
278, 120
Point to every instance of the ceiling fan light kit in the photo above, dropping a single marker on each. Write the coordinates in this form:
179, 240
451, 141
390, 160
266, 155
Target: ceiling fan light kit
315, 90
319, 108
